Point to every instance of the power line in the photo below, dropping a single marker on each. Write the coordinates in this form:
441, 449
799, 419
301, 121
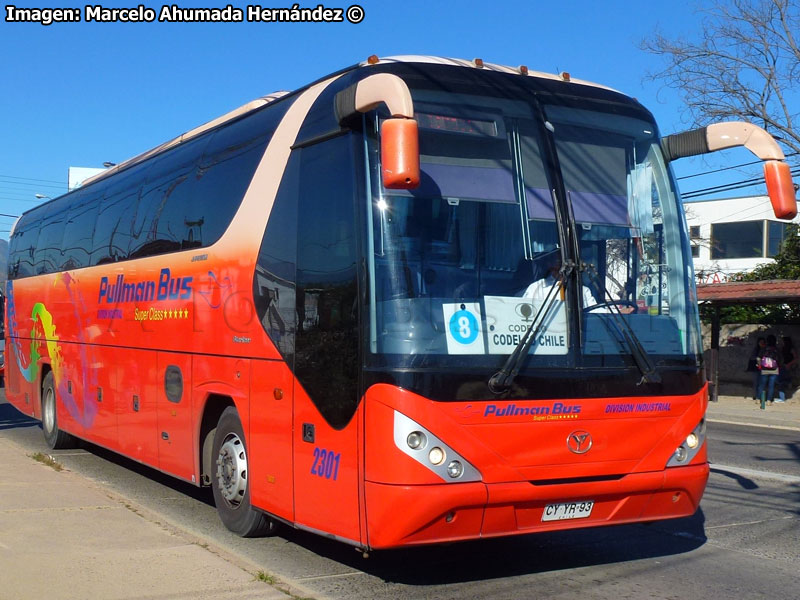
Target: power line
36, 185
30, 179
10, 216
727, 187
747, 164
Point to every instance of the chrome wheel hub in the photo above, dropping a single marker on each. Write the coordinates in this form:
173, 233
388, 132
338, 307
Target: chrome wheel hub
232, 470
49, 411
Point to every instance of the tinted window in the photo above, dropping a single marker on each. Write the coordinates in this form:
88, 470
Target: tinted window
737, 240
223, 176
169, 182
47, 257
112, 233
182, 198
776, 233
79, 229
326, 360
274, 280
22, 246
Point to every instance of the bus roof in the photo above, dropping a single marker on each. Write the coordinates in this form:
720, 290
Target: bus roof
478, 63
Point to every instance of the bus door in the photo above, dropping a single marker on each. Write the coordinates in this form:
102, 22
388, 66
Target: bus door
326, 471
174, 406
326, 353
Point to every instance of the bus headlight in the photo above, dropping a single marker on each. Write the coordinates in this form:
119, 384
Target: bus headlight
690, 446
414, 440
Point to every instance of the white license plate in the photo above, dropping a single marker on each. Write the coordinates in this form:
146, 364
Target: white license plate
567, 510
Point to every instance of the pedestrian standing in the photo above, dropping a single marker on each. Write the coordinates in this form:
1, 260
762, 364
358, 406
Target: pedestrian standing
768, 367
752, 363
788, 362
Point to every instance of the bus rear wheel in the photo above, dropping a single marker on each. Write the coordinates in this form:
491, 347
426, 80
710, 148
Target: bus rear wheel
53, 436
230, 480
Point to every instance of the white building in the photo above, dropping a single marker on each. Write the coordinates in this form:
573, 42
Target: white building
732, 235
77, 175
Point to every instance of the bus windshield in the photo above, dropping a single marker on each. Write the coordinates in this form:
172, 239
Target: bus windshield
461, 266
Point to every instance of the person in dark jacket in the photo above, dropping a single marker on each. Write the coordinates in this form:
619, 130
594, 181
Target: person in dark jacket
788, 362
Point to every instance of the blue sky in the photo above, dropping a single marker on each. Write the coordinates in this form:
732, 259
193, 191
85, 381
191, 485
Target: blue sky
79, 94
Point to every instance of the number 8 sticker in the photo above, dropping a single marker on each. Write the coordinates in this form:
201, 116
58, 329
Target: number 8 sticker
464, 326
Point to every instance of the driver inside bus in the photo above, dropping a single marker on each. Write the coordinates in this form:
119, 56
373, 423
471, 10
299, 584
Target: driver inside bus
539, 288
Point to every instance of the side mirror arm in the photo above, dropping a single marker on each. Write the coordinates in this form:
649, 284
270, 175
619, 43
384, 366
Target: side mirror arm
731, 134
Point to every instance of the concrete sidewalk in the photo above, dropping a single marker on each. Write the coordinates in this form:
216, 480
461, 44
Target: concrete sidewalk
63, 536
746, 411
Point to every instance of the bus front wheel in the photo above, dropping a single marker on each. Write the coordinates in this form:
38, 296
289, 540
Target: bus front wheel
230, 480
53, 436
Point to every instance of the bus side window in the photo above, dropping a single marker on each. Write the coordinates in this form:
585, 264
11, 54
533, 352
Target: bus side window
21, 248
276, 270
78, 230
115, 219
222, 178
169, 182
47, 257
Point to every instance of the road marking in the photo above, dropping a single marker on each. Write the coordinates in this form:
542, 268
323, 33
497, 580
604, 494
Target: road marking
756, 474
750, 522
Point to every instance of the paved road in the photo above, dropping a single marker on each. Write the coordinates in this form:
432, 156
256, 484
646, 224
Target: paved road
776, 451
741, 544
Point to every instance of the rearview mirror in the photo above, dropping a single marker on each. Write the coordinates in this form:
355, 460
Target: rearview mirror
780, 189
400, 154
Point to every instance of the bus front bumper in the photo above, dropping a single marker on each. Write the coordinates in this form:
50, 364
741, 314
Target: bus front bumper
399, 515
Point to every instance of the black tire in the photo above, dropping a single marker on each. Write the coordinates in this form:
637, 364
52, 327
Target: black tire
229, 480
53, 436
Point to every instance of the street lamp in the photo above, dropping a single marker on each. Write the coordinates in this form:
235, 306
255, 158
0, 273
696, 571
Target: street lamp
42, 197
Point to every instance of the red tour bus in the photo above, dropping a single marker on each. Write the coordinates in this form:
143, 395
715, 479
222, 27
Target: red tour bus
420, 300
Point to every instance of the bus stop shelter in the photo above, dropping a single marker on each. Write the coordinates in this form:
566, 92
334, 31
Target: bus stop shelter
776, 291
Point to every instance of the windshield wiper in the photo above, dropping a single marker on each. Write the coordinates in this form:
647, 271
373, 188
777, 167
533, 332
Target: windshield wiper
637, 351
501, 381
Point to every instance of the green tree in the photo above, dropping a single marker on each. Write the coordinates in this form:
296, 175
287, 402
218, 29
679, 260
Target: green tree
744, 64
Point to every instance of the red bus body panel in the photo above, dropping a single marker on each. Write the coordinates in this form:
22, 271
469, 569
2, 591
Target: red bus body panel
525, 464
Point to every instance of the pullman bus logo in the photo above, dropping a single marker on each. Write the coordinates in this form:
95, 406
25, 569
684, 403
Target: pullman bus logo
579, 442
